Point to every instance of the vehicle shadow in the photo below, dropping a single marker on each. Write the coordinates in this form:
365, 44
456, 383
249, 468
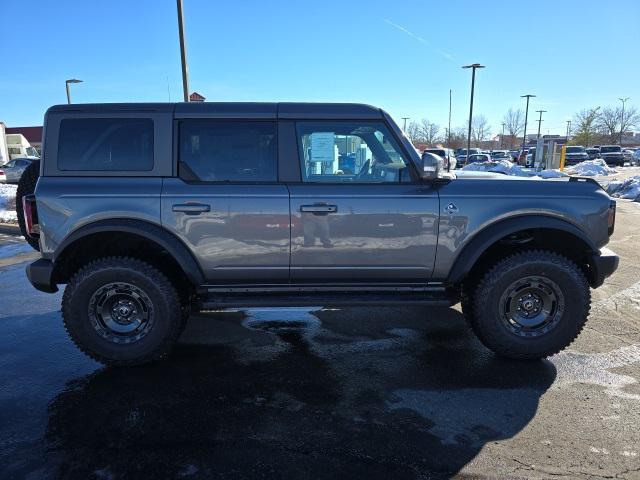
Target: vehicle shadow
375, 393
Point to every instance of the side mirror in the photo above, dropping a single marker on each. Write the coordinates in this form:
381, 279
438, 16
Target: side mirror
431, 166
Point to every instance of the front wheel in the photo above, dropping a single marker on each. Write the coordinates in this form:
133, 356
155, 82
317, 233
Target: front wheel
530, 305
122, 311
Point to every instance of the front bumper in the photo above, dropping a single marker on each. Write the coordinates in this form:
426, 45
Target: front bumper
40, 274
603, 264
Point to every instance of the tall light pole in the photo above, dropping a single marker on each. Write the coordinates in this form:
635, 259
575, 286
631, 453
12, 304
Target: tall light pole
449, 129
404, 128
502, 136
540, 120
473, 68
623, 100
66, 84
183, 53
568, 131
526, 117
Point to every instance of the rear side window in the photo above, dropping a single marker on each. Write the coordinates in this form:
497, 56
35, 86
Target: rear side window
228, 151
106, 144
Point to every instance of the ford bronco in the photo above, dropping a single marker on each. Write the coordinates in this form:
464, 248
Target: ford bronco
147, 212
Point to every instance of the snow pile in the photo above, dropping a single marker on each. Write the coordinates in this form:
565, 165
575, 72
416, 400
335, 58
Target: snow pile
591, 168
8, 203
628, 188
509, 168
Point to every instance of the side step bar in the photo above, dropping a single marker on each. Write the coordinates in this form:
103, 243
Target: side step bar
216, 301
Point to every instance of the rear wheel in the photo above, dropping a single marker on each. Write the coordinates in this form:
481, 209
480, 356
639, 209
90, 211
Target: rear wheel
26, 186
530, 305
122, 311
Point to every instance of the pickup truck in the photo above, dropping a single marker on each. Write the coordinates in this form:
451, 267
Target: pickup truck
148, 212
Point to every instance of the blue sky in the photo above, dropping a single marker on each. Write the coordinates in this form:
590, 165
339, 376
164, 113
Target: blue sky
403, 56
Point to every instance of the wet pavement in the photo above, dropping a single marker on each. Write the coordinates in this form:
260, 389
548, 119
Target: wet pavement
314, 393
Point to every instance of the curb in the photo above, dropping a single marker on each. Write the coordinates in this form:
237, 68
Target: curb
9, 229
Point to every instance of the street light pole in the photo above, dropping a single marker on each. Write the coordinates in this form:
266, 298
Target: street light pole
404, 128
473, 68
449, 129
66, 84
623, 100
526, 118
183, 53
540, 120
568, 130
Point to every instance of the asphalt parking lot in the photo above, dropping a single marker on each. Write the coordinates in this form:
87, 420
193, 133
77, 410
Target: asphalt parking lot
312, 393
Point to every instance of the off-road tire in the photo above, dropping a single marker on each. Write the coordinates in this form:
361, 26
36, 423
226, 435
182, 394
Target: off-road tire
166, 311
26, 186
492, 330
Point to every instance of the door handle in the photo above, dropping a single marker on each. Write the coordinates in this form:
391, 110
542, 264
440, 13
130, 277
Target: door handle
191, 208
319, 209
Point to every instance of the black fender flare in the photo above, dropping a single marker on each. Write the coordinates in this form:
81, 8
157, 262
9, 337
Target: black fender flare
152, 232
472, 251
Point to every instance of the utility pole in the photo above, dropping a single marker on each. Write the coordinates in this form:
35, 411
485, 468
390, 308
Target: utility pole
502, 136
404, 128
183, 53
473, 66
623, 100
540, 120
526, 117
449, 129
66, 84
568, 130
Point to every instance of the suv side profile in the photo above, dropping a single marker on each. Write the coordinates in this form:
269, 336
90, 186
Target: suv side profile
148, 212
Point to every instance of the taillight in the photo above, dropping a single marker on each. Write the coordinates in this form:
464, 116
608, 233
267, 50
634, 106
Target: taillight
1, 172
30, 215
611, 218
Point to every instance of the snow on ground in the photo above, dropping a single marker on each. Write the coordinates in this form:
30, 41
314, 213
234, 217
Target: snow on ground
591, 168
8, 203
628, 188
510, 168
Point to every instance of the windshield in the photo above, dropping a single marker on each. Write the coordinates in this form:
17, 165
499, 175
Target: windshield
32, 152
613, 148
575, 149
436, 151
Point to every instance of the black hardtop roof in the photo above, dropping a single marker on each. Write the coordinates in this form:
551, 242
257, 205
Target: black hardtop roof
233, 109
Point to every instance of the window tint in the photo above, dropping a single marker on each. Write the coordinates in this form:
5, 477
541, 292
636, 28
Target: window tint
106, 144
228, 151
347, 152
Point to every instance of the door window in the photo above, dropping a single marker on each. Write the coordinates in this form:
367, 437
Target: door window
350, 152
228, 151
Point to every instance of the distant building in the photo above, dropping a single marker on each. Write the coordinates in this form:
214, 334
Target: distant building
196, 97
32, 134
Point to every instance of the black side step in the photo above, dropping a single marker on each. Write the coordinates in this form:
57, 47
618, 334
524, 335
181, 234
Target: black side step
215, 301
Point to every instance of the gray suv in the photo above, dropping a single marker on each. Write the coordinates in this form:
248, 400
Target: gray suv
148, 212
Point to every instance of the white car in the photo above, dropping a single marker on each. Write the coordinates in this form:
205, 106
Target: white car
447, 154
627, 154
3, 176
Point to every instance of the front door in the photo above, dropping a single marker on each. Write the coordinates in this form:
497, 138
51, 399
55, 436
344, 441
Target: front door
359, 215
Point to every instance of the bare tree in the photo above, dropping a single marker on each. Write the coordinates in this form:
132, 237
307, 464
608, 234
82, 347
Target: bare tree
458, 138
613, 122
430, 132
414, 132
480, 129
586, 127
514, 123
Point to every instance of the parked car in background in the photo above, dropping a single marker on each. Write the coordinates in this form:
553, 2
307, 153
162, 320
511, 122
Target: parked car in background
514, 154
575, 154
636, 157
13, 169
530, 158
522, 157
461, 155
479, 158
627, 154
447, 154
3, 177
500, 155
612, 154
593, 153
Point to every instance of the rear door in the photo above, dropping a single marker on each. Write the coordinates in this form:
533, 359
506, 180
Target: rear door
359, 214
226, 203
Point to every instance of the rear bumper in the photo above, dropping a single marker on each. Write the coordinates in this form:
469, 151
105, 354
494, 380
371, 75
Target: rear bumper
40, 274
603, 264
